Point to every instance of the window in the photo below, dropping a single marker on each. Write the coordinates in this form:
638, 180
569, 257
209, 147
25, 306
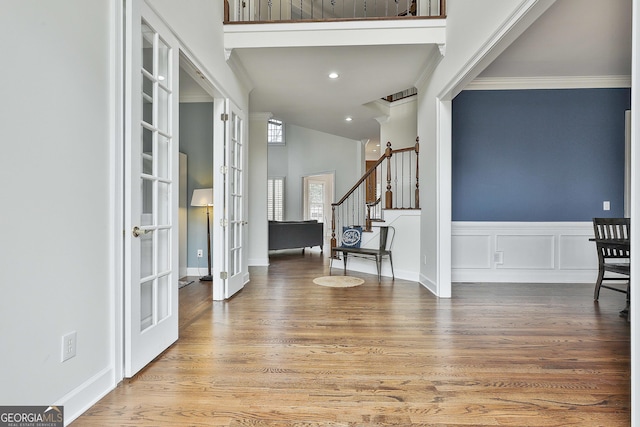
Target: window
275, 199
275, 132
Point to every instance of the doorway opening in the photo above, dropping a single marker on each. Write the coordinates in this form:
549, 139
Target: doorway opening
318, 196
196, 139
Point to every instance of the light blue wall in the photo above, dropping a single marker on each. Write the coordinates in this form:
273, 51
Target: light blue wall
310, 152
538, 155
196, 136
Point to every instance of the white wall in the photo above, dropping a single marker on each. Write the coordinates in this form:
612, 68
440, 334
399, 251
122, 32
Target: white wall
309, 152
57, 227
475, 35
402, 126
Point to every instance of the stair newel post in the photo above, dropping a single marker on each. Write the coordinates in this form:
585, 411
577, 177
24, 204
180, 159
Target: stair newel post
368, 220
334, 242
417, 172
388, 197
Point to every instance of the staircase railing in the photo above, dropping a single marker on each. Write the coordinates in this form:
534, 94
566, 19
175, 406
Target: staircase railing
263, 11
396, 173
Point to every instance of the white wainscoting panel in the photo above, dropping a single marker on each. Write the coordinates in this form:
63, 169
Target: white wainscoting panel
523, 252
471, 251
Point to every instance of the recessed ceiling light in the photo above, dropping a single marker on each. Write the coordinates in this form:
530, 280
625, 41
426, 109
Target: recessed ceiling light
348, 119
334, 75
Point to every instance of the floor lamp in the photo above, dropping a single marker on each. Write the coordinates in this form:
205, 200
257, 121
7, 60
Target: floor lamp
204, 197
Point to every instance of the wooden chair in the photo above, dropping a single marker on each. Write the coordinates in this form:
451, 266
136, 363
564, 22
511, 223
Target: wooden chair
383, 250
614, 251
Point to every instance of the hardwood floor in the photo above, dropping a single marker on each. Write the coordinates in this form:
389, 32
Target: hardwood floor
287, 352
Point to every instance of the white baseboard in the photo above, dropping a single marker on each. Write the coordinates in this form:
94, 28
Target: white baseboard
83, 397
258, 262
198, 272
525, 276
428, 284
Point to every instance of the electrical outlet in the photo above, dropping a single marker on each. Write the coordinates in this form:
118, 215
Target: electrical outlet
498, 257
606, 205
69, 345
200, 255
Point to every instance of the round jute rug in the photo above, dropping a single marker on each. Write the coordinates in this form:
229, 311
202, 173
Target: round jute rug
338, 281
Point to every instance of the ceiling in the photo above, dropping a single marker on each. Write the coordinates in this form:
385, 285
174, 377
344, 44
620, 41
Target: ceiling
298, 89
572, 38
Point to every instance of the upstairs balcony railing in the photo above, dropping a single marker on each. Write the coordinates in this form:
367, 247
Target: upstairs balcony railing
263, 11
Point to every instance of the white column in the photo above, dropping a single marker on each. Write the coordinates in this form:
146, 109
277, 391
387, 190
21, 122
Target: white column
258, 227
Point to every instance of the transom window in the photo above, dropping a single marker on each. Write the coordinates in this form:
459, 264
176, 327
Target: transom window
275, 132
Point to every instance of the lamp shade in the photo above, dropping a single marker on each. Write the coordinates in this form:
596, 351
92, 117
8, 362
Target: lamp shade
202, 197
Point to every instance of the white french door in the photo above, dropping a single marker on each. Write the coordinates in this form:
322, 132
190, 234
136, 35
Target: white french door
151, 188
235, 201
230, 267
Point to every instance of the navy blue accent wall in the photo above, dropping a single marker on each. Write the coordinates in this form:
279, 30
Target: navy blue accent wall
538, 155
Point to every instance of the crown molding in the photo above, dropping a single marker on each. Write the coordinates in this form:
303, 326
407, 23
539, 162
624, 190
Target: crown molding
241, 73
561, 82
382, 119
429, 67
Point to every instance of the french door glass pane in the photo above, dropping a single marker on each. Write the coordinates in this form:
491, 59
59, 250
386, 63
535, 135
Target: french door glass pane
147, 100
147, 202
163, 62
147, 48
146, 255
146, 305
163, 109
164, 293
164, 203
163, 157
164, 260
147, 151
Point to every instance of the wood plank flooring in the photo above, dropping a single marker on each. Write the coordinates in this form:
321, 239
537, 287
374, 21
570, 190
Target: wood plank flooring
287, 352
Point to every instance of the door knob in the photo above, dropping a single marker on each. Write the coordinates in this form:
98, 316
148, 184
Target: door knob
137, 231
